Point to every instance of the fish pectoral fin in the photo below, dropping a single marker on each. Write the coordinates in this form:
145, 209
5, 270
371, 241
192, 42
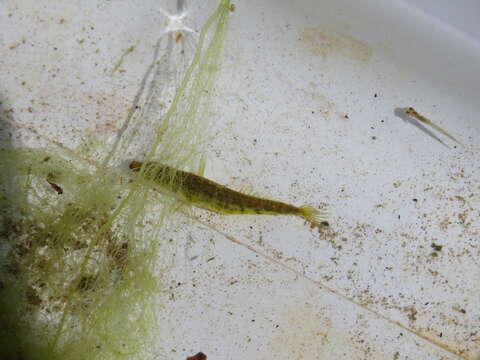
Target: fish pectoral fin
185, 208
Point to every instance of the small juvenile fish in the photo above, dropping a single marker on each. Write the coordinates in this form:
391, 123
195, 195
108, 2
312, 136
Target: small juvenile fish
414, 113
207, 194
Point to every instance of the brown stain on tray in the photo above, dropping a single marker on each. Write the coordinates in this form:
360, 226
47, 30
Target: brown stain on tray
326, 42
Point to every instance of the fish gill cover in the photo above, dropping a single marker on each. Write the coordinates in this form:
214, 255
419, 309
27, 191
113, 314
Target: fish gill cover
83, 245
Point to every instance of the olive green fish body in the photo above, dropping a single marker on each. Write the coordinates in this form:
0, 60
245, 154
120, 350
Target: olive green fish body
210, 195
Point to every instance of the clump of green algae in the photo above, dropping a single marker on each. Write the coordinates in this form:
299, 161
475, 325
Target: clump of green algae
82, 246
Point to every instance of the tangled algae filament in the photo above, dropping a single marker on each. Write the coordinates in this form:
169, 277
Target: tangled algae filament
81, 248
70, 265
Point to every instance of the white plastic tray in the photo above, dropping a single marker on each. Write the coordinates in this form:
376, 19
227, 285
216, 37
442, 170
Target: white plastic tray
304, 113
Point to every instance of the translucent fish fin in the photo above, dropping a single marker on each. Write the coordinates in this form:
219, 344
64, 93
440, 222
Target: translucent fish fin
315, 217
186, 209
444, 132
248, 190
201, 166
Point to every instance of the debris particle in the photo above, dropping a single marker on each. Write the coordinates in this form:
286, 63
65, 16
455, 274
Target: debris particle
86, 283
56, 187
433, 272
436, 247
198, 356
462, 217
32, 296
460, 198
411, 312
125, 53
51, 178
460, 310
119, 254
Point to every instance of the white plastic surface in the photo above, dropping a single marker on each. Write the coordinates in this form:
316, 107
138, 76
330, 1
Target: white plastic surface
463, 14
304, 113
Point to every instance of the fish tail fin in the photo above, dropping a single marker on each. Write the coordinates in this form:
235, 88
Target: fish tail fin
315, 217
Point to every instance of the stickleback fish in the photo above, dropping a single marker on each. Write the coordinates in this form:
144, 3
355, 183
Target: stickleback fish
204, 193
415, 114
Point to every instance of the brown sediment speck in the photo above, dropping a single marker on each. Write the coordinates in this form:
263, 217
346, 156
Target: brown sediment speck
198, 356
326, 42
56, 187
411, 312
32, 296
436, 247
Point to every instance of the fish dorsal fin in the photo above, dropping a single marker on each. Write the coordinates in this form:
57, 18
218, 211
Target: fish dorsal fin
248, 190
201, 166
